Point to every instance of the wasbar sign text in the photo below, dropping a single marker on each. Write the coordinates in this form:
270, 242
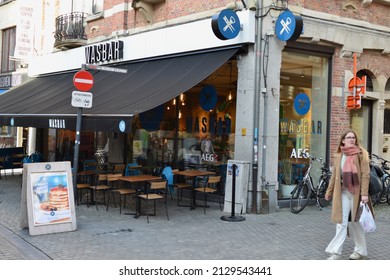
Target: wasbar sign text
104, 52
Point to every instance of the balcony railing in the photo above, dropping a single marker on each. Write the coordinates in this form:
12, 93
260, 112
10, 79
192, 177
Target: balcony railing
70, 31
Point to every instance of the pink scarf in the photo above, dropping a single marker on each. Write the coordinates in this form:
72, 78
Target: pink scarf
350, 174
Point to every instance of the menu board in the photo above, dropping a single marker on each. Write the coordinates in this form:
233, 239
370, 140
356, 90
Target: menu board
47, 198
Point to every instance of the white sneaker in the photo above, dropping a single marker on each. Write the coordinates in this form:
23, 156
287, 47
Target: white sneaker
355, 256
334, 257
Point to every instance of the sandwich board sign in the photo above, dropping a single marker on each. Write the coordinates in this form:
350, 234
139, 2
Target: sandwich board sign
47, 204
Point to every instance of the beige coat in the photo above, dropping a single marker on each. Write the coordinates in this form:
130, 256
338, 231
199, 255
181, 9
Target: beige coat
334, 188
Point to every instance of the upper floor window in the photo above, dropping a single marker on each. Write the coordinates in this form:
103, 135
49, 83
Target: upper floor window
97, 6
7, 50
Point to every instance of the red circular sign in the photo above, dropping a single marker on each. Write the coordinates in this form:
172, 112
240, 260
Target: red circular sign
83, 80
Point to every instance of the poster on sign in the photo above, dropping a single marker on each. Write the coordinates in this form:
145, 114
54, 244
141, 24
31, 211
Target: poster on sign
47, 198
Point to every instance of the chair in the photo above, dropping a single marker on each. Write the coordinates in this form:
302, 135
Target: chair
180, 186
17, 161
90, 164
123, 192
130, 171
80, 189
119, 169
155, 190
167, 174
208, 185
100, 186
2, 167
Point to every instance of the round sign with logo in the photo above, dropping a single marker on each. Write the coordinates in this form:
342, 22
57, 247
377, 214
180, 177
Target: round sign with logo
122, 126
302, 103
208, 98
288, 26
83, 80
226, 24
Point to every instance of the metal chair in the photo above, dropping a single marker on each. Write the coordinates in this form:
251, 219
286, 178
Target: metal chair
100, 186
2, 167
155, 190
112, 181
119, 169
181, 185
208, 185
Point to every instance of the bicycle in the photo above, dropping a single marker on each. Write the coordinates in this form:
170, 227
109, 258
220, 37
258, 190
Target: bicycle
306, 190
384, 195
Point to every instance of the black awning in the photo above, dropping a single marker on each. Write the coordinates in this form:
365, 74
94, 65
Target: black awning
146, 85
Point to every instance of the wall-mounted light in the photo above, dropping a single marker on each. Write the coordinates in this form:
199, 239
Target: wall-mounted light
179, 114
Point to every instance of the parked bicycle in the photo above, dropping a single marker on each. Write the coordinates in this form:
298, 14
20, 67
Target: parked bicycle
383, 173
306, 190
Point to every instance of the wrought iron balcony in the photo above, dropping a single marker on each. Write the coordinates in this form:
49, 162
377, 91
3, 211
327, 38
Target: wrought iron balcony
70, 31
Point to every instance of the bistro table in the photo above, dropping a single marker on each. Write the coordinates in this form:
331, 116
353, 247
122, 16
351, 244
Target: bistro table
193, 173
138, 179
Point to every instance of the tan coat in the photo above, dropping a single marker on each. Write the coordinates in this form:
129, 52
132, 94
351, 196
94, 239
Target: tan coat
334, 188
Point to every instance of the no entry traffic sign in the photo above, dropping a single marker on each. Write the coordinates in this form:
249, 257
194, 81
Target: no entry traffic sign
83, 80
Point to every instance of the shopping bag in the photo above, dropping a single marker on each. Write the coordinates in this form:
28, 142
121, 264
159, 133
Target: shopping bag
366, 219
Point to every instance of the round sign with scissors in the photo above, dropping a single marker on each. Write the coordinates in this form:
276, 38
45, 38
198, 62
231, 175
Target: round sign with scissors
225, 24
302, 103
288, 26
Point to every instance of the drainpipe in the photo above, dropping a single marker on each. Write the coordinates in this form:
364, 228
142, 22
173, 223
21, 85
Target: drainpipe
258, 51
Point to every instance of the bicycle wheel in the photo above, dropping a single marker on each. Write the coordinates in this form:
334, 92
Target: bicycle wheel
299, 197
384, 193
386, 187
322, 186
375, 199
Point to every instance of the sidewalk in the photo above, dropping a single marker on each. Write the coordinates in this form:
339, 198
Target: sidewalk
188, 235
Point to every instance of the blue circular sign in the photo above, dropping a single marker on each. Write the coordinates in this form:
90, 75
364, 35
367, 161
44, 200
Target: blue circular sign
208, 98
288, 26
302, 103
122, 126
12, 122
226, 24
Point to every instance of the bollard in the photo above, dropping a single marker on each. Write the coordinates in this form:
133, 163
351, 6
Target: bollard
233, 217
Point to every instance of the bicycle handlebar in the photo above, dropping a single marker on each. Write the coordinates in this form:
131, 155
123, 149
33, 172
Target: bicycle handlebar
383, 161
306, 155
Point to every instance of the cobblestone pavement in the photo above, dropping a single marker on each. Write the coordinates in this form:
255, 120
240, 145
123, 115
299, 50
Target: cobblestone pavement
187, 235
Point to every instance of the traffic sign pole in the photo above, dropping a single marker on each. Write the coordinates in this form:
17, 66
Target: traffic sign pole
83, 81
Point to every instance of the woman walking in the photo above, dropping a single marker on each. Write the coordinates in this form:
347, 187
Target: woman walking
348, 186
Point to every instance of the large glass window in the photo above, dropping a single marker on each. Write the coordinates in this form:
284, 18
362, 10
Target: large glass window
8, 137
303, 113
193, 130
8, 49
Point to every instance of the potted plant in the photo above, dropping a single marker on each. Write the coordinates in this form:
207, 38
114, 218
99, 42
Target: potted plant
287, 181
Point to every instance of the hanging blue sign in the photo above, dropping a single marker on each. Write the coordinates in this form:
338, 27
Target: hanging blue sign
288, 26
302, 103
208, 98
226, 24
122, 126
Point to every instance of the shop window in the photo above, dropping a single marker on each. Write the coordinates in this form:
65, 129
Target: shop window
303, 113
8, 137
7, 50
195, 129
386, 123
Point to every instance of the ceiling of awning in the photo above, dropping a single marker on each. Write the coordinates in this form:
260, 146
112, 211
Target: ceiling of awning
146, 85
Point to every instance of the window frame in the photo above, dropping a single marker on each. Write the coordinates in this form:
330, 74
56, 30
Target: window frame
8, 50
